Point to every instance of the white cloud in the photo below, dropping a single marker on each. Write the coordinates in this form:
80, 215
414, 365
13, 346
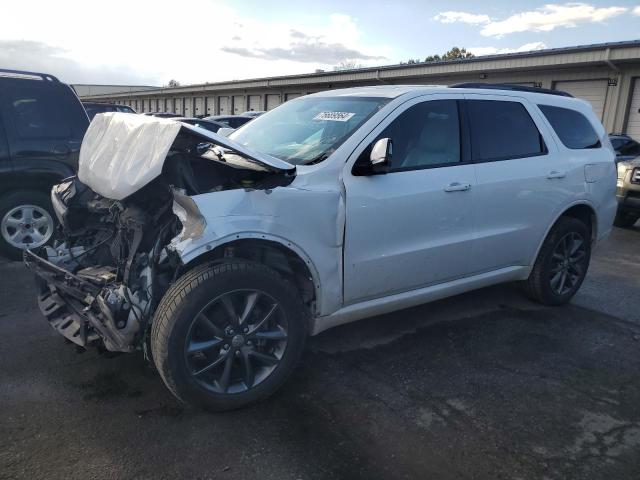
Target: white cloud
549, 17
543, 19
143, 45
527, 47
462, 17
636, 11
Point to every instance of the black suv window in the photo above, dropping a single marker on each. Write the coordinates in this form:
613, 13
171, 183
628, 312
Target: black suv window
37, 112
425, 135
573, 128
502, 130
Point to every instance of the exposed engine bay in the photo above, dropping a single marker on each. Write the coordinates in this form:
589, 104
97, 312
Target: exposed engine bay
113, 260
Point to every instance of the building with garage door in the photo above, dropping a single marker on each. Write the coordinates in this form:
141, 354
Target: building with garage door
607, 75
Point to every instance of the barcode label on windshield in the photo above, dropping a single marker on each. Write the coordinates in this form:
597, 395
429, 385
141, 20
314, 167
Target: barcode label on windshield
334, 116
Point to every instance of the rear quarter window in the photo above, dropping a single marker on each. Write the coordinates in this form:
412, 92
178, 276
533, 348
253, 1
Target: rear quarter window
572, 127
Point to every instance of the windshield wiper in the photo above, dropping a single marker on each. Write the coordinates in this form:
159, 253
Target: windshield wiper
323, 156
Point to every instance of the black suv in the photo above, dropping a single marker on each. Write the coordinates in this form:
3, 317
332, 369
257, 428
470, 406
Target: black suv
42, 123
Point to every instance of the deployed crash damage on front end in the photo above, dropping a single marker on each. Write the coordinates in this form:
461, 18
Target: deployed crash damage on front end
122, 216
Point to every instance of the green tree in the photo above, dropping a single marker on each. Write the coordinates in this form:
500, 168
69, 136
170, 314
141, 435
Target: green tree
454, 54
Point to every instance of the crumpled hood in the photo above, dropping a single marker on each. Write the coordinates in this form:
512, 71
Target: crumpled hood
123, 152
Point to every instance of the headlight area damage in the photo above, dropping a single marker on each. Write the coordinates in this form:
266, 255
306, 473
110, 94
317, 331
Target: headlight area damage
119, 219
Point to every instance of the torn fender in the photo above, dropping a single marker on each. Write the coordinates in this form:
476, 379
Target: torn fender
308, 222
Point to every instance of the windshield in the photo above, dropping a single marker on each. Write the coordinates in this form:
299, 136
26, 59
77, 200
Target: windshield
309, 129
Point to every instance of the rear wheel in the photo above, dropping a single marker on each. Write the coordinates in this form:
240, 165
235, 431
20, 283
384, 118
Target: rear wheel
562, 263
26, 221
229, 334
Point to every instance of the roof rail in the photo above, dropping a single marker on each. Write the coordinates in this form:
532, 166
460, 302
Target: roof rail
514, 88
22, 73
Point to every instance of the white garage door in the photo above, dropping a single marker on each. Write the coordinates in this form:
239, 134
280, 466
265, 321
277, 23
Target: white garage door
199, 107
188, 107
211, 106
273, 100
223, 103
254, 103
238, 104
594, 91
178, 106
633, 123
291, 96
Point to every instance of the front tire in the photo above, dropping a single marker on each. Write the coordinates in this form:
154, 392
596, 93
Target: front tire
228, 334
562, 263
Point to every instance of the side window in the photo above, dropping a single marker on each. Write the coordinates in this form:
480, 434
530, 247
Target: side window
502, 130
37, 113
573, 128
425, 135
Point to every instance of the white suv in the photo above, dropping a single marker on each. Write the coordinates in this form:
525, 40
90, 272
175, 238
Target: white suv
218, 256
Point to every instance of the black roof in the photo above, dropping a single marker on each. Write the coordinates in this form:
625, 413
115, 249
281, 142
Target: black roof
23, 73
514, 88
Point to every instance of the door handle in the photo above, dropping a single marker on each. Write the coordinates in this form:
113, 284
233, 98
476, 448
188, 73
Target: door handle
457, 187
555, 174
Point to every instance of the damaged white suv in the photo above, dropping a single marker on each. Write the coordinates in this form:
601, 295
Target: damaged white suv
218, 256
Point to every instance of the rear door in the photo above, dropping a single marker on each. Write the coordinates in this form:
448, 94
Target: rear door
522, 180
43, 122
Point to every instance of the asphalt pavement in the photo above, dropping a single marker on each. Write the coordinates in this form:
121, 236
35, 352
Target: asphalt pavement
486, 385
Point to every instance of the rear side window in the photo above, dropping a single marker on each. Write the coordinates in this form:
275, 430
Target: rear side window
573, 128
502, 130
37, 113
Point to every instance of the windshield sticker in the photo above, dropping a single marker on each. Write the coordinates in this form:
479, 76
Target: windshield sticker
334, 116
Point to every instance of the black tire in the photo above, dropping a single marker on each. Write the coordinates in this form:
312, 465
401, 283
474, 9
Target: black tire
190, 296
540, 284
625, 219
14, 200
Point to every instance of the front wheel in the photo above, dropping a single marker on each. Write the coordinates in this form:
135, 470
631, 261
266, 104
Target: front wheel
228, 334
562, 263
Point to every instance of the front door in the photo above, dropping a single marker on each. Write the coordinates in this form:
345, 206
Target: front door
413, 226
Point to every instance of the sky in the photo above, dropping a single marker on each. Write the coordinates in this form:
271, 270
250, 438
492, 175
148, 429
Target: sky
149, 42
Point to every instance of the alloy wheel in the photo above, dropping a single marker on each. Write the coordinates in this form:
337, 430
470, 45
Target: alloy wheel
567, 263
27, 226
236, 341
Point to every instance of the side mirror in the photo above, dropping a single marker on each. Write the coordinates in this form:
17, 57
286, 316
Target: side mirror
381, 154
